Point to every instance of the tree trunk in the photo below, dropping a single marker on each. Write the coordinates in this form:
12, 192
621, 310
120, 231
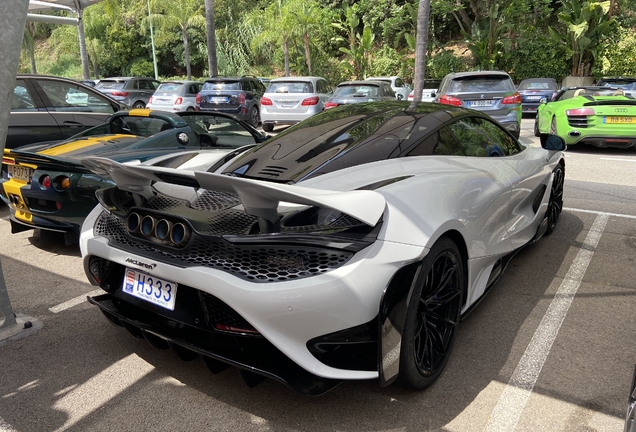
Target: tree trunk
86, 74
307, 52
421, 40
211, 37
286, 53
186, 50
32, 55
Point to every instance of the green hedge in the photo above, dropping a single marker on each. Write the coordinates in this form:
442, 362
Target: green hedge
537, 56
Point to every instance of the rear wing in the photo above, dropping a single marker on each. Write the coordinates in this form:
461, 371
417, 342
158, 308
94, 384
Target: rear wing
259, 198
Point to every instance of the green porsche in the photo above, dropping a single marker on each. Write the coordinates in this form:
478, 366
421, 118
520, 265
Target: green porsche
597, 116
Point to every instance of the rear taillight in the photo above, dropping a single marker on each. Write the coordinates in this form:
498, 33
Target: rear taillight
45, 182
514, 99
330, 105
310, 101
198, 99
410, 97
580, 112
150, 100
241, 98
179, 101
449, 100
8, 161
120, 93
266, 101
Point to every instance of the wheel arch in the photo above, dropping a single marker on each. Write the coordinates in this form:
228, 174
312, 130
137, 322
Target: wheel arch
394, 304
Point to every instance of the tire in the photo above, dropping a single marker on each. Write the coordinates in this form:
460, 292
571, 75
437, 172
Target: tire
190, 109
432, 316
139, 104
555, 205
268, 127
254, 118
537, 133
553, 127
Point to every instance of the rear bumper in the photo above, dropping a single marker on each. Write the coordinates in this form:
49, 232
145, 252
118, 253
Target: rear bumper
283, 118
600, 141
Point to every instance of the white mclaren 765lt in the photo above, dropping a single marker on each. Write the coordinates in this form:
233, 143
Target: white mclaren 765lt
347, 247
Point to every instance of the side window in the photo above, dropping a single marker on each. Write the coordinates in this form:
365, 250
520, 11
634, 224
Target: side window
154, 85
399, 83
507, 144
136, 85
193, 89
65, 97
22, 100
474, 135
440, 143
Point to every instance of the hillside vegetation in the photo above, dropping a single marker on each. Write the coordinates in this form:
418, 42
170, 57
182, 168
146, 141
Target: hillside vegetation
342, 40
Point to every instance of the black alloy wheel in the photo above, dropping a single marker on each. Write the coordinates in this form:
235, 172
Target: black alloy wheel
254, 117
537, 133
555, 205
432, 317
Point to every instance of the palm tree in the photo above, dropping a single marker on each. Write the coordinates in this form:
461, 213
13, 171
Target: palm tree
29, 42
211, 37
306, 18
276, 27
184, 14
423, 13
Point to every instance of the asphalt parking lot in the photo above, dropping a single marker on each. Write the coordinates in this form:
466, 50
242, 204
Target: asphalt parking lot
551, 348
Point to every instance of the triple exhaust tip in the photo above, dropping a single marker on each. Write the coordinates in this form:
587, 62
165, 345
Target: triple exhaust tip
162, 229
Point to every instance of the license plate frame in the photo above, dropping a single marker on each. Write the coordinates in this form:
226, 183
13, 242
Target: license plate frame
218, 99
135, 284
19, 172
619, 120
481, 103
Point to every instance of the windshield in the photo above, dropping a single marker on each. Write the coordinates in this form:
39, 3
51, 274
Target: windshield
222, 85
290, 87
357, 91
620, 83
568, 94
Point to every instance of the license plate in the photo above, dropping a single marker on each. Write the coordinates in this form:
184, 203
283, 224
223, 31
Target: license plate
287, 104
609, 119
480, 103
150, 288
533, 97
218, 99
20, 173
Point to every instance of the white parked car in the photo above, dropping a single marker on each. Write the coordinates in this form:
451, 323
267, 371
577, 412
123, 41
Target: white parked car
175, 96
290, 100
400, 88
428, 91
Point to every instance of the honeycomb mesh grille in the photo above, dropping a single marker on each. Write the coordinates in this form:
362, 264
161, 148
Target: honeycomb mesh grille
256, 263
233, 222
215, 201
161, 202
219, 312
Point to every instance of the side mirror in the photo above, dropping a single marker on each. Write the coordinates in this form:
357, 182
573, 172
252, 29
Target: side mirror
552, 142
434, 93
543, 101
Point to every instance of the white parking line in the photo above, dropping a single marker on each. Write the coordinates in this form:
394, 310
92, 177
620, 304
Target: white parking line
619, 159
6, 427
599, 212
73, 302
515, 396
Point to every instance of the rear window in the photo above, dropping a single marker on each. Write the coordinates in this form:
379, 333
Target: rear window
290, 87
623, 84
357, 91
541, 85
169, 87
110, 84
222, 85
481, 84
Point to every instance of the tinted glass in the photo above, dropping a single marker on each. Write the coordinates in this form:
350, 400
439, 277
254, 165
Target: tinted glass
507, 144
483, 138
357, 91
481, 84
226, 132
67, 97
290, 87
439, 143
537, 85
140, 126
105, 84
222, 85
399, 83
22, 100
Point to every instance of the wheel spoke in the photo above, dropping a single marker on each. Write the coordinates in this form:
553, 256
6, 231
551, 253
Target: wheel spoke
441, 320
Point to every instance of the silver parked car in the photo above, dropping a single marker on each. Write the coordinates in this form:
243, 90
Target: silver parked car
132, 91
491, 92
290, 100
349, 92
175, 96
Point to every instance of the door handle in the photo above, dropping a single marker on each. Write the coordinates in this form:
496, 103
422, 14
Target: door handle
73, 124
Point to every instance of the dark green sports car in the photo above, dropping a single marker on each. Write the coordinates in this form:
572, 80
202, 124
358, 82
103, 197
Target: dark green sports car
47, 187
597, 116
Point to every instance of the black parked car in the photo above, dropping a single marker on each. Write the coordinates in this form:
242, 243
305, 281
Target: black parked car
49, 108
238, 96
349, 92
532, 90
